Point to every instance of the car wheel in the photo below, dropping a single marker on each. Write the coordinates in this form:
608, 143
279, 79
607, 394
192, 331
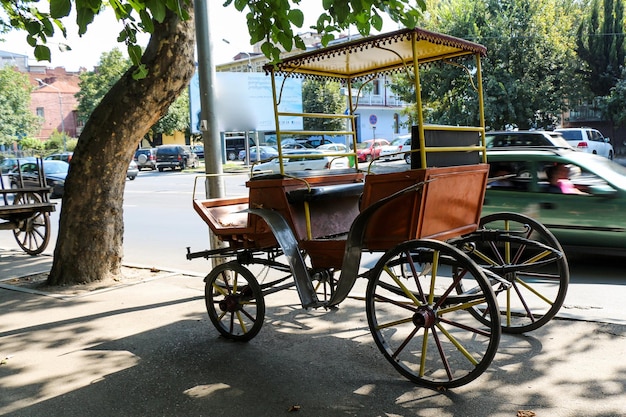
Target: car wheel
368, 158
131, 177
160, 169
142, 159
232, 156
610, 155
407, 158
183, 164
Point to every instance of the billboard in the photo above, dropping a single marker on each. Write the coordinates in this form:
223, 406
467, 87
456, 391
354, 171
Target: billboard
243, 102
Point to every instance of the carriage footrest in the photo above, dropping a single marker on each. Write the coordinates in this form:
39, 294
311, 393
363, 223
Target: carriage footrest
325, 253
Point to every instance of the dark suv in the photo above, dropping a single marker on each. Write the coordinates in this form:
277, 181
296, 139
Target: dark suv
145, 158
175, 157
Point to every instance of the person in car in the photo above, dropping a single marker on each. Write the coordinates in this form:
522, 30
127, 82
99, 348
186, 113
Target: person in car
500, 176
559, 182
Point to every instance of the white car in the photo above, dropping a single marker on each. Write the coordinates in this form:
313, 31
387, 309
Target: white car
395, 148
588, 140
333, 147
302, 160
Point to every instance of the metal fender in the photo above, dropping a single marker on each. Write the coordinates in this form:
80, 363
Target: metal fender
289, 245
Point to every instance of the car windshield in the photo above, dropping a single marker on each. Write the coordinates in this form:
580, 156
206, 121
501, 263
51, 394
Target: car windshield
363, 145
571, 134
559, 140
55, 168
398, 142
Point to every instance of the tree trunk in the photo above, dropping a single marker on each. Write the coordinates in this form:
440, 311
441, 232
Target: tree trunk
91, 229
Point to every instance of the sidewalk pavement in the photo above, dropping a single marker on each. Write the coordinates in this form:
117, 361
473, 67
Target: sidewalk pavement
148, 349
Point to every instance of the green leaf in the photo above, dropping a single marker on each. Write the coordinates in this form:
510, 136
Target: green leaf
327, 37
31, 40
84, 17
33, 28
157, 8
60, 8
42, 53
377, 22
296, 17
285, 40
266, 48
48, 29
134, 53
299, 43
141, 72
146, 21
240, 4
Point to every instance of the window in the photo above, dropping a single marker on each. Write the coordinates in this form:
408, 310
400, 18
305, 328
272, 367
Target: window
376, 87
40, 112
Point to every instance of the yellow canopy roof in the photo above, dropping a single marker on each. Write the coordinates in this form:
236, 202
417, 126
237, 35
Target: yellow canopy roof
383, 53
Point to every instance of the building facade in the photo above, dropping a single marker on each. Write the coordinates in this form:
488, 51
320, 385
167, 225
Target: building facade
53, 96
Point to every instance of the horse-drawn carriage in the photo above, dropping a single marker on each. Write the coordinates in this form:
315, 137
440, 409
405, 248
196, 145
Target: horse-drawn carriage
446, 281
25, 210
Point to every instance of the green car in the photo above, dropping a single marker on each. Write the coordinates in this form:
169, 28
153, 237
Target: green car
592, 212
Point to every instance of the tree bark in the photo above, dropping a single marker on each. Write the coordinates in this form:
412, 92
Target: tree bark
91, 227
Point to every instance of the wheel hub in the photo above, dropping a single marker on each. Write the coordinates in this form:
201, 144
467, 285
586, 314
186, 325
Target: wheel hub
230, 304
424, 317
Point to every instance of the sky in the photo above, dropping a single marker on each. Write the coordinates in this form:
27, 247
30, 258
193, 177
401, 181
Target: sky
226, 24
229, 36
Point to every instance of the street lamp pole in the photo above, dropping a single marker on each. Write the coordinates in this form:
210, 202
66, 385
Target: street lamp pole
247, 53
40, 81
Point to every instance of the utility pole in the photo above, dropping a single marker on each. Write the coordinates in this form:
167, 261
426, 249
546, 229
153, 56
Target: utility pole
214, 184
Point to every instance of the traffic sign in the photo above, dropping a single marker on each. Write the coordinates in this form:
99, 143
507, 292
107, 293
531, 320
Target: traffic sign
373, 119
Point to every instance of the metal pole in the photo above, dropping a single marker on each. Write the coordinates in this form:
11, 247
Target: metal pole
214, 184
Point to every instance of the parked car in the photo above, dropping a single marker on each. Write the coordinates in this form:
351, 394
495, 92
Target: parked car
54, 171
593, 216
395, 148
198, 150
64, 156
370, 149
588, 140
525, 138
175, 157
132, 171
265, 152
145, 158
302, 160
333, 147
9, 164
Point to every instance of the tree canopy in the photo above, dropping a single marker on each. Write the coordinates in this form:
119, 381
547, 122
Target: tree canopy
529, 57
600, 44
322, 97
16, 119
95, 84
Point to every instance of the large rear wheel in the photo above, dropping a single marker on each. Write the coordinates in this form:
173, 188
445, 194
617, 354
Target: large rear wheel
427, 331
531, 266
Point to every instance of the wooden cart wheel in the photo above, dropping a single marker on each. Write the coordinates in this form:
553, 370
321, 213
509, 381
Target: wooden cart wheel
534, 269
33, 235
427, 331
234, 301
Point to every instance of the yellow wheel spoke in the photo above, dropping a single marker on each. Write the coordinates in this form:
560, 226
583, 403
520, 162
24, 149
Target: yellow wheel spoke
534, 291
457, 345
403, 287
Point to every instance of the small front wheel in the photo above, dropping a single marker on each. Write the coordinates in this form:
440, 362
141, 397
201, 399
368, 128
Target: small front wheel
427, 331
234, 301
